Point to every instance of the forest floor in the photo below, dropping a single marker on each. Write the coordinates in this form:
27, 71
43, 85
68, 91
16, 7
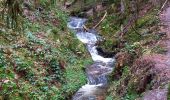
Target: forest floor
162, 61
165, 20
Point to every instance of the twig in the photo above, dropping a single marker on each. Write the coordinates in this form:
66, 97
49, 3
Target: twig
97, 23
100, 20
163, 6
85, 28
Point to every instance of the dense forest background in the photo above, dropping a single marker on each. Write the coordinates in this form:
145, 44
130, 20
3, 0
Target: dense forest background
41, 59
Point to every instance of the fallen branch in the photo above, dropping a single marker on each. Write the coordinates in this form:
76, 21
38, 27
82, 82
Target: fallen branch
87, 29
100, 20
163, 6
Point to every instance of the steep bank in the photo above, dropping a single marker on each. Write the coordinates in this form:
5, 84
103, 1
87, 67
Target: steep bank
165, 22
140, 62
145, 77
43, 60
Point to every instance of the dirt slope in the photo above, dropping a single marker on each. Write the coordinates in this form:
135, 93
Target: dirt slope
162, 62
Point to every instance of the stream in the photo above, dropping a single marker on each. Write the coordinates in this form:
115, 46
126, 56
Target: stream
97, 73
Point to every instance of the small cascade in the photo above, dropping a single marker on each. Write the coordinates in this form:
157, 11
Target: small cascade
97, 72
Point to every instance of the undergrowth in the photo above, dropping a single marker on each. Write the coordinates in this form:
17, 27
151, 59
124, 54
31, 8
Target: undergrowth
140, 39
44, 61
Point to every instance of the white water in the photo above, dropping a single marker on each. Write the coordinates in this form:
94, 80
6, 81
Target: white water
86, 37
95, 56
76, 23
96, 73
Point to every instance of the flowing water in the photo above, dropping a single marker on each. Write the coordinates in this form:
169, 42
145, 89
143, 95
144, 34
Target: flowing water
97, 73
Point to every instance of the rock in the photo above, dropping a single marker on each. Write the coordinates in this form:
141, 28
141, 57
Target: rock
89, 13
104, 53
157, 94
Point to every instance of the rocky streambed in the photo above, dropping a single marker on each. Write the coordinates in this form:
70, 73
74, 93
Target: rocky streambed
97, 73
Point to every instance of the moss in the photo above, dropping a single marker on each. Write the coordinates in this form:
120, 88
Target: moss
131, 95
75, 78
34, 70
158, 49
132, 37
148, 20
168, 92
118, 87
121, 88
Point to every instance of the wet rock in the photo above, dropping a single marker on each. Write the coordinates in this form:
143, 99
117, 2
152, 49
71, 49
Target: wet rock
105, 54
157, 94
89, 13
100, 98
97, 73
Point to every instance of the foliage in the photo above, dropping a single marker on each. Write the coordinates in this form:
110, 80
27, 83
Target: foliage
158, 49
122, 85
139, 40
109, 28
168, 92
30, 66
109, 97
57, 73
133, 37
2, 60
148, 20
12, 12
75, 78
131, 95
46, 61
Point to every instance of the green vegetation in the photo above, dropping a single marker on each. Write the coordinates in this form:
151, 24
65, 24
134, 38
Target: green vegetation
120, 90
169, 92
43, 60
139, 39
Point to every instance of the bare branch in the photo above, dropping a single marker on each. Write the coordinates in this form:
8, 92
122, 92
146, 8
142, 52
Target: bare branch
163, 6
100, 20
